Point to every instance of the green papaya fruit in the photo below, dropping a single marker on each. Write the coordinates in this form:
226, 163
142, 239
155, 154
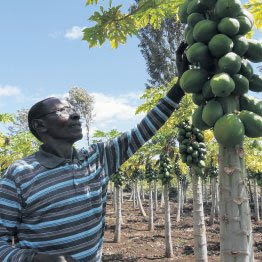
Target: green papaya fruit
254, 52
220, 45
241, 84
244, 12
245, 25
194, 18
208, 3
222, 84
204, 30
189, 36
240, 45
207, 91
229, 130
192, 80
198, 99
195, 6
182, 12
252, 123
197, 52
229, 103
227, 8
212, 112
230, 63
255, 83
197, 120
250, 104
246, 69
228, 26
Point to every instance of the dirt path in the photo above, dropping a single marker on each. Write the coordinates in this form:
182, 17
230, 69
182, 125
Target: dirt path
138, 244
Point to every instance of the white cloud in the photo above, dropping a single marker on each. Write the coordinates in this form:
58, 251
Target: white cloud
109, 109
8, 90
74, 33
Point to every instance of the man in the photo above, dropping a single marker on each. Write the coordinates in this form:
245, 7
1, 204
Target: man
53, 202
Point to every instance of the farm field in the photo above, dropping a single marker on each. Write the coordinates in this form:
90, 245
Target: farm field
139, 245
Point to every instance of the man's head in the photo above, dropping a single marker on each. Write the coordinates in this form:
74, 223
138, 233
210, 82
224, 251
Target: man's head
56, 119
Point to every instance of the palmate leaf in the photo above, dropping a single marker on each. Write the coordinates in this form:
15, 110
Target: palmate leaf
115, 26
255, 8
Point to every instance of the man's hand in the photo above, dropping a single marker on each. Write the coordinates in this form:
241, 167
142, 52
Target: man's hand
181, 59
52, 258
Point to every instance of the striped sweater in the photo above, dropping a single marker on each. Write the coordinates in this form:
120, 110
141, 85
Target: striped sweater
53, 206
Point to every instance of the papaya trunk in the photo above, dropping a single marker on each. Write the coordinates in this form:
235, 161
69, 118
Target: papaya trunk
151, 209
168, 239
200, 241
236, 242
217, 200
182, 199
114, 199
213, 207
117, 236
162, 197
179, 189
139, 201
142, 193
257, 217
261, 200
155, 195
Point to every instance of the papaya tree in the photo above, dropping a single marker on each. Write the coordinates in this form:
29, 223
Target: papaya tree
151, 176
219, 78
193, 152
118, 179
166, 177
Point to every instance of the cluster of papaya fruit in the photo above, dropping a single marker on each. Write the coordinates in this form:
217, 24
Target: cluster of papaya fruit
221, 74
191, 146
150, 174
165, 169
118, 178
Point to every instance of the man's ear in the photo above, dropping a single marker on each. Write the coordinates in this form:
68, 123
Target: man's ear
39, 125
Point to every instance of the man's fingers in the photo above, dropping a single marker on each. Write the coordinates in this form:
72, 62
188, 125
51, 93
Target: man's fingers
180, 50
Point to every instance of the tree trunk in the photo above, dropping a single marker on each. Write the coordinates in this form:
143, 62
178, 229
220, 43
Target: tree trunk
179, 190
151, 209
261, 200
134, 196
162, 202
217, 200
117, 236
114, 199
236, 241
142, 193
257, 217
111, 191
250, 191
182, 199
122, 195
155, 195
139, 201
169, 247
200, 241
213, 207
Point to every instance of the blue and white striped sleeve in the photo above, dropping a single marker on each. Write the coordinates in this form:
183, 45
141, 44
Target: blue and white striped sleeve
118, 150
10, 217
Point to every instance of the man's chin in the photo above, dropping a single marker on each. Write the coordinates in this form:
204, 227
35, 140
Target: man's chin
78, 137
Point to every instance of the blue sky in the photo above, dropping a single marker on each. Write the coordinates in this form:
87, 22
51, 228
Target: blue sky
42, 54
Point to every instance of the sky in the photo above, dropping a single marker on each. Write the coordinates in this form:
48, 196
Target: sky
42, 55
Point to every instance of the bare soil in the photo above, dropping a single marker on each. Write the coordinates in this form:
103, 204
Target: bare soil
139, 244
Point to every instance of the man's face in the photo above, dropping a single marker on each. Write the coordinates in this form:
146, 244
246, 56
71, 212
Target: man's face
62, 121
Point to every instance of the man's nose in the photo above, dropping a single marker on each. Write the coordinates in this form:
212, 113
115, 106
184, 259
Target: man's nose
75, 116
